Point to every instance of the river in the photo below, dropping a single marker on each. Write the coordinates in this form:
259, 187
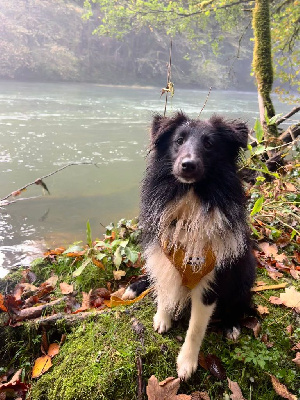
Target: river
45, 126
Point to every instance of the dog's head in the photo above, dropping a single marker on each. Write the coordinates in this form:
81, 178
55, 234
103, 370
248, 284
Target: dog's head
196, 147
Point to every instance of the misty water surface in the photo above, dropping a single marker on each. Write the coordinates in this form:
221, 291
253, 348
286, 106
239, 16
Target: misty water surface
45, 126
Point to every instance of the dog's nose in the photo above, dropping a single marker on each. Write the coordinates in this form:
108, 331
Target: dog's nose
188, 165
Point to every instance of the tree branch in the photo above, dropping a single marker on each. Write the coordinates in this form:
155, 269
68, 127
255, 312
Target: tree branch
282, 119
39, 181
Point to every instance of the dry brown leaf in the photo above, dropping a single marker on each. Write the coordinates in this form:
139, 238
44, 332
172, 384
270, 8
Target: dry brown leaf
290, 187
260, 283
236, 390
53, 349
52, 281
275, 275
280, 389
118, 274
252, 323
98, 263
166, 390
295, 274
65, 288
270, 250
2, 306
262, 310
200, 396
86, 300
116, 301
269, 287
41, 365
296, 360
291, 298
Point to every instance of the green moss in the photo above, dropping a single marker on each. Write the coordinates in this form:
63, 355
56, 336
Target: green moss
98, 360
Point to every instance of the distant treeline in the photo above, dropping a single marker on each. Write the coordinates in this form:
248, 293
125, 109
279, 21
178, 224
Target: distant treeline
47, 40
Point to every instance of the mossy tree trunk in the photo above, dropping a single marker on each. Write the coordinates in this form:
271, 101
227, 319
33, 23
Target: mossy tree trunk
262, 63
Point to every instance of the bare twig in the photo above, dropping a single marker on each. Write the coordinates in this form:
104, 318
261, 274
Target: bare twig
167, 89
205, 102
39, 180
282, 119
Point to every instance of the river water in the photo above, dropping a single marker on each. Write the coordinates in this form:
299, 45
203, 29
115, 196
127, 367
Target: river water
44, 126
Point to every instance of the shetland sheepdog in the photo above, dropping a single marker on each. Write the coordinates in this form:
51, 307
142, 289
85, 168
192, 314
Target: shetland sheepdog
195, 235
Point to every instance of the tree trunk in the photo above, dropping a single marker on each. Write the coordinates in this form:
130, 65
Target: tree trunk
262, 63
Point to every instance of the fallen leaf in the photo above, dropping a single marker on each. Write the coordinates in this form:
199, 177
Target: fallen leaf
166, 390
291, 298
118, 274
269, 287
14, 384
200, 396
2, 306
260, 283
295, 274
289, 329
53, 349
98, 263
55, 252
65, 288
252, 323
275, 275
202, 360
44, 344
116, 301
269, 249
215, 367
41, 365
296, 347
236, 390
280, 389
296, 360
262, 310
290, 187
85, 302
52, 281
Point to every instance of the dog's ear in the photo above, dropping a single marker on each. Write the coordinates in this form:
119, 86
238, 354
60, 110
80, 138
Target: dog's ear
241, 131
162, 126
236, 130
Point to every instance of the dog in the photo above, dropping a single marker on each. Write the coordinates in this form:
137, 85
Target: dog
195, 236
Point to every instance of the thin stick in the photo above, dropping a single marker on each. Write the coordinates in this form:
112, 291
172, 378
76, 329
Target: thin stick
205, 101
168, 76
46, 176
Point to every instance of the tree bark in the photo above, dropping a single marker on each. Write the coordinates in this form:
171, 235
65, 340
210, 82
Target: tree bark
262, 63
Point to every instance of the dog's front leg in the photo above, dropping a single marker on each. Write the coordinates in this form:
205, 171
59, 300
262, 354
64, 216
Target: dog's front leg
187, 360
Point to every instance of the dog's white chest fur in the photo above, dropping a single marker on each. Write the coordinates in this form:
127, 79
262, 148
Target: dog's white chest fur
186, 223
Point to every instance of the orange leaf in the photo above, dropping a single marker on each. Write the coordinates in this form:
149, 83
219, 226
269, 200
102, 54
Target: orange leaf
262, 310
98, 263
53, 349
76, 254
2, 306
55, 252
116, 301
281, 390
41, 365
65, 288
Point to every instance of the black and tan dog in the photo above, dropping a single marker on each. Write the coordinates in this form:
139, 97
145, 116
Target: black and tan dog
195, 235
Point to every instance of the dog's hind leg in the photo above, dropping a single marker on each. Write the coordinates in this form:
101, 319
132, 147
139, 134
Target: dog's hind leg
187, 360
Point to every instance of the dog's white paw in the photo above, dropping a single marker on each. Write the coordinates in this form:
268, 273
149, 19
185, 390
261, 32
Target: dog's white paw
129, 294
162, 322
187, 363
233, 333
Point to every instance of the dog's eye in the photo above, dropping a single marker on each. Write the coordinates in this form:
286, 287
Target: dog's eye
207, 143
180, 141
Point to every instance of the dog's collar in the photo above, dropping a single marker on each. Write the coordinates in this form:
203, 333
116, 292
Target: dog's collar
190, 275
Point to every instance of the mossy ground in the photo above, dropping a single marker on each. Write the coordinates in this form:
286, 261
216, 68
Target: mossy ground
98, 359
